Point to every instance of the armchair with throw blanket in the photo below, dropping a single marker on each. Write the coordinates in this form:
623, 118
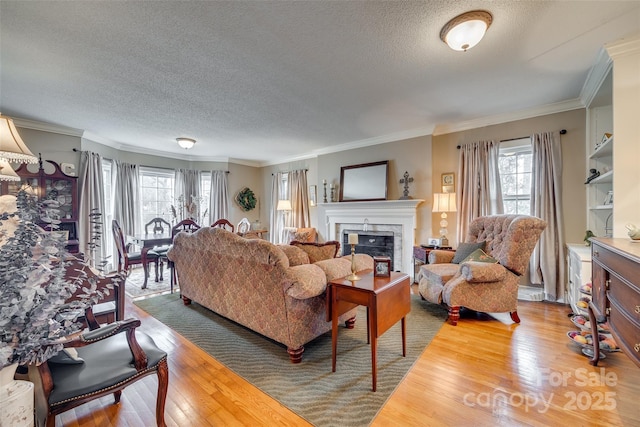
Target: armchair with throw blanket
483, 274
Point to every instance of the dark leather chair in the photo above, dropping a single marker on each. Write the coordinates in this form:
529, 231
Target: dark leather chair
108, 359
224, 224
125, 258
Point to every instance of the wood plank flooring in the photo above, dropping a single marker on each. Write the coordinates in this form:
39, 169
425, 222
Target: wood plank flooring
479, 373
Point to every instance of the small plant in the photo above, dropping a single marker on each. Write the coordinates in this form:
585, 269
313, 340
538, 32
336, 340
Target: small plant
35, 282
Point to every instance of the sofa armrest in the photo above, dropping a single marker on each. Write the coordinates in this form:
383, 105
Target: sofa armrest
473, 271
438, 256
305, 281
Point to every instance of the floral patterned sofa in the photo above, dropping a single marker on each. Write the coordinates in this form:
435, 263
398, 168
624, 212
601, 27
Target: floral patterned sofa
273, 290
478, 280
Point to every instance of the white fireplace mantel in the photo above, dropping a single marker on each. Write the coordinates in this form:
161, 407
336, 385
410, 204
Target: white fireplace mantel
384, 212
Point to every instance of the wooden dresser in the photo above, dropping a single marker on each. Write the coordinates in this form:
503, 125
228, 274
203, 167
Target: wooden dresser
616, 293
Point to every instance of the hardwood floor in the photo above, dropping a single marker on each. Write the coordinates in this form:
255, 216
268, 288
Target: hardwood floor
480, 373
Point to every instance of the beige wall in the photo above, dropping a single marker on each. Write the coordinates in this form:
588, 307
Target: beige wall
425, 158
445, 155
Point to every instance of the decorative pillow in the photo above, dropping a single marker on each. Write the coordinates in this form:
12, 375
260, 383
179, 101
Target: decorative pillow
480, 256
68, 356
296, 255
318, 251
301, 236
465, 249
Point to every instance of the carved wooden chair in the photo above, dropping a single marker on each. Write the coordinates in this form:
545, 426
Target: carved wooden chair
159, 226
97, 363
126, 258
187, 226
224, 224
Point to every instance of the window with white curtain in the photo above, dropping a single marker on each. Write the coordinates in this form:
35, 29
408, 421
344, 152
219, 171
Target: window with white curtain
515, 165
157, 186
107, 217
205, 194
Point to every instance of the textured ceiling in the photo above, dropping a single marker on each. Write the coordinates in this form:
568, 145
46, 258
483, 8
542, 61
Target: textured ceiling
267, 81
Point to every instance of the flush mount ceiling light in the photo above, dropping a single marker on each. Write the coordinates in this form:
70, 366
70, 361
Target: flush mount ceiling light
186, 143
465, 31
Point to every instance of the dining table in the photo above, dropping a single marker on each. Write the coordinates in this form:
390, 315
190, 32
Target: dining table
147, 241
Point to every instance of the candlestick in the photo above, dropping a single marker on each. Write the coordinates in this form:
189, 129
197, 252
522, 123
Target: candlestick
353, 238
353, 276
324, 183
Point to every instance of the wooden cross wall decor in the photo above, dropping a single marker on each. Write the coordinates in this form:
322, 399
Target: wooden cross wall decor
406, 180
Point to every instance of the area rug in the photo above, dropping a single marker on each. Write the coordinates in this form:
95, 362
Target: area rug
343, 398
133, 285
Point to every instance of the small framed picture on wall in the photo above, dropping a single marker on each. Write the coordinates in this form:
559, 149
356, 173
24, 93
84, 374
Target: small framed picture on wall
448, 182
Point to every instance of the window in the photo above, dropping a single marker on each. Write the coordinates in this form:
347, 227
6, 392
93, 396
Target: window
157, 193
107, 216
515, 176
205, 195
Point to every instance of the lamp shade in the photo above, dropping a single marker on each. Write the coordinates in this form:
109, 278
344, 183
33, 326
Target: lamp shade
465, 31
6, 172
186, 143
444, 202
283, 205
12, 147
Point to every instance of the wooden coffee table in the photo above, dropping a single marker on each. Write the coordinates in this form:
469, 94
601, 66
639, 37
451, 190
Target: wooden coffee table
388, 299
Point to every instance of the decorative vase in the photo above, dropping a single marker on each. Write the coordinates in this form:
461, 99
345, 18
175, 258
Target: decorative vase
16, 399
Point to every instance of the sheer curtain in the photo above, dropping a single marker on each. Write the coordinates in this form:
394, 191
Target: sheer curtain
547, 261
219, 196
91, 200
126, 205
276, 217
187, 188
299, 215
479, 191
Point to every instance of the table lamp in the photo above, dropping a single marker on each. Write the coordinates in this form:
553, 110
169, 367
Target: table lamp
444, 202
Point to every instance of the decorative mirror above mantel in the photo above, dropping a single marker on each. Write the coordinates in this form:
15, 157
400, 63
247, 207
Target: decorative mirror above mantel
364, 182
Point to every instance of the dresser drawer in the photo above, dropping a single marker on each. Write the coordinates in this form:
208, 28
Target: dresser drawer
623, 266
627, 331
625, 295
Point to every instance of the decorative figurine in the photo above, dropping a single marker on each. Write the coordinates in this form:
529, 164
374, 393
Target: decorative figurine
406, 180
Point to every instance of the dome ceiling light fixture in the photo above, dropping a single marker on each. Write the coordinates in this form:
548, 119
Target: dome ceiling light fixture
186, 143
465, 31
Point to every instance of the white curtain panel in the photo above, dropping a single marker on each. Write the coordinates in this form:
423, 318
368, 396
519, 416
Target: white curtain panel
547, 261
188, 186
479, 190
299, 216
276, 224
127, 203
219, 196
91, 200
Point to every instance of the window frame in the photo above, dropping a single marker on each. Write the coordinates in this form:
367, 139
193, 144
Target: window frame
516, 147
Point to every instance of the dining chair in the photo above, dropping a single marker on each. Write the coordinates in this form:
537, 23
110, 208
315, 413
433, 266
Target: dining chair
187, 226
224, 224
158, 226
126, 258
95, 364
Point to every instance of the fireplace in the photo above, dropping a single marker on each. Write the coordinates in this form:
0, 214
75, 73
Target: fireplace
395, 216
374, 243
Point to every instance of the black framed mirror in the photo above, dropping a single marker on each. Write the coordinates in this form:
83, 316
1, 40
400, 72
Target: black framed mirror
364, 182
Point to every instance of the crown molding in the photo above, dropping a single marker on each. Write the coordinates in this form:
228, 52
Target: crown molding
543, 110
596, 76
46, 127
625, 46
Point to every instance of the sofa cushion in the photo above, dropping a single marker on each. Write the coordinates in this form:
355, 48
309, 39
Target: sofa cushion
296, 255
335, 268
318, 251
465, 249
308, 281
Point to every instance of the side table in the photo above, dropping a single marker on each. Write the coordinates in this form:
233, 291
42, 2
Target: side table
388, 299
421, 256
